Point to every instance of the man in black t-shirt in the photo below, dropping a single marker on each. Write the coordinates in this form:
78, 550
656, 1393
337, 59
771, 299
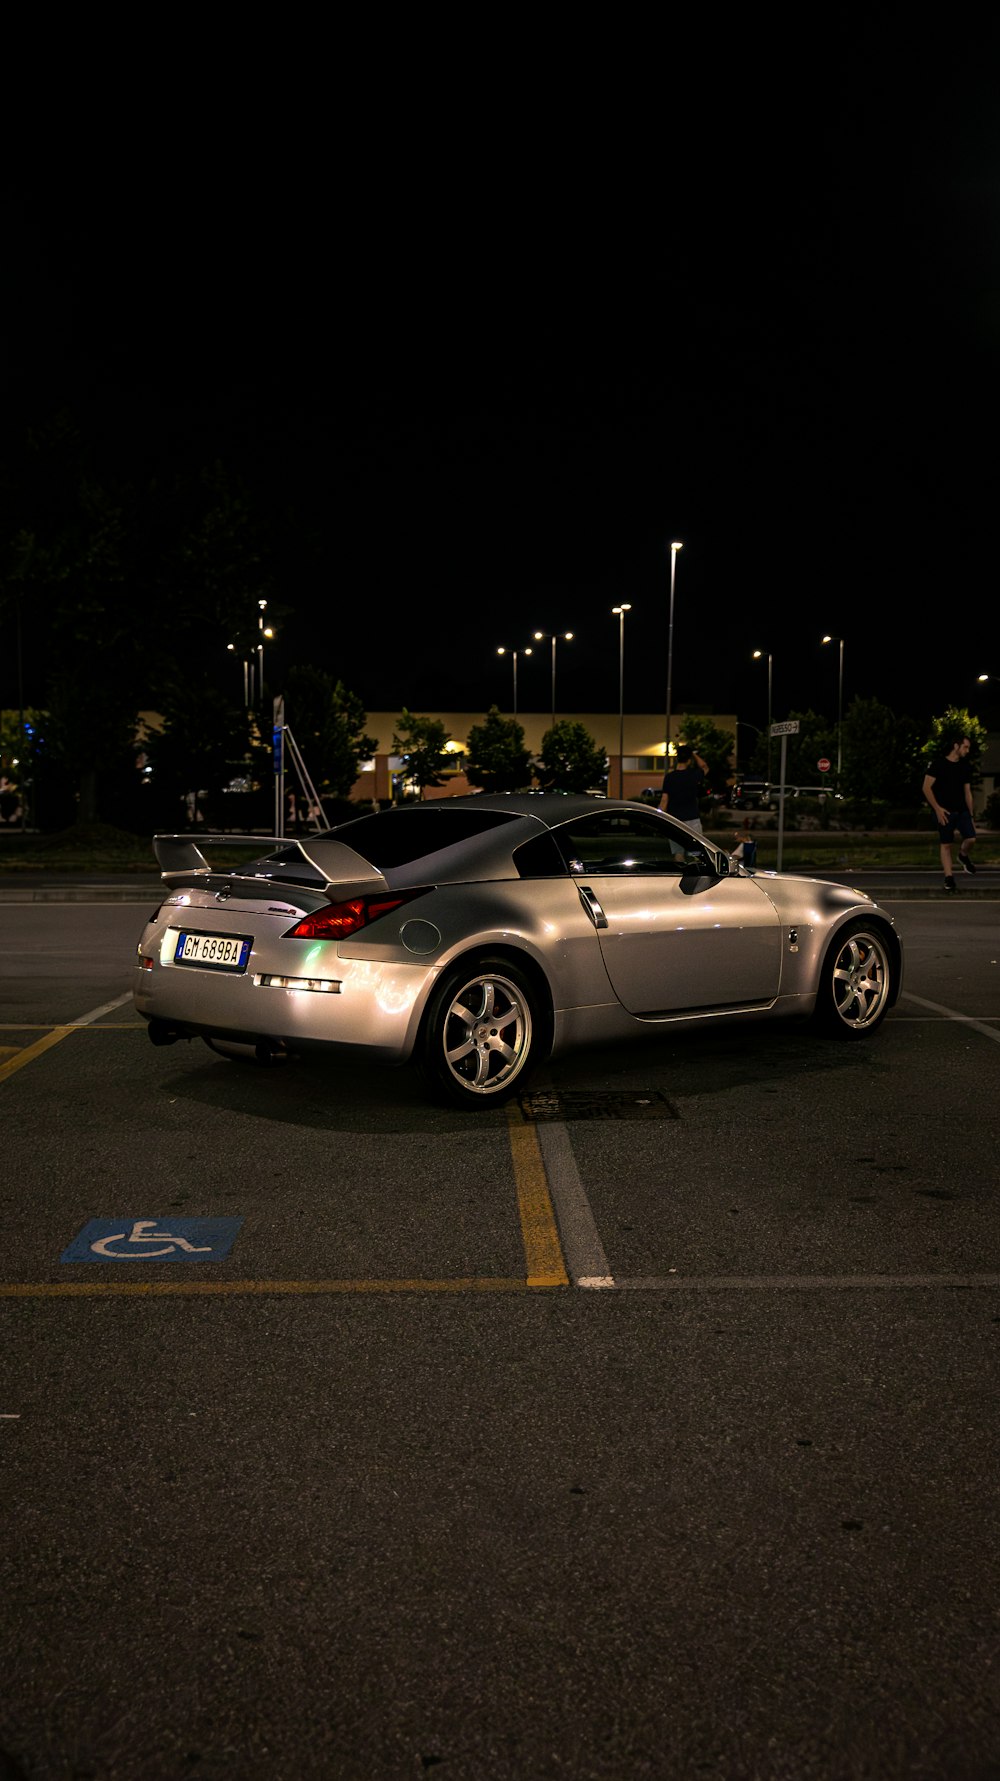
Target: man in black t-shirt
948, 790
681, 787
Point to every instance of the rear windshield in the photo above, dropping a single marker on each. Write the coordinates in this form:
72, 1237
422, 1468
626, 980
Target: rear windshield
396, 837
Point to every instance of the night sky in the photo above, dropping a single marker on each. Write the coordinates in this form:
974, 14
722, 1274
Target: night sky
492, 355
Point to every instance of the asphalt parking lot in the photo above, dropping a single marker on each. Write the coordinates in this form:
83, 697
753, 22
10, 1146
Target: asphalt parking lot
648, 1429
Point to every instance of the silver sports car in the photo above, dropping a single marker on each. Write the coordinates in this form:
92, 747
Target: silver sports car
478, 936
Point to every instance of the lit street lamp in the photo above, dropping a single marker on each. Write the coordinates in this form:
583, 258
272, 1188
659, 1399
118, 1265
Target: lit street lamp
840, 701
502, 651
674, 548
246, 676
567, 637
265, 631
619, 613
253, 670
758, 656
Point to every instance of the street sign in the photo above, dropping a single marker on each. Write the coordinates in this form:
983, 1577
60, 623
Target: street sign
790, 728
823, 765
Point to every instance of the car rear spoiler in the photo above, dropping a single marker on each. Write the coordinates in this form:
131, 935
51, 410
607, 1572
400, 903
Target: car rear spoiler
182, 861
179, 856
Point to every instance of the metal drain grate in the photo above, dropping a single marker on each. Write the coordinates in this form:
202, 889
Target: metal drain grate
573, 1103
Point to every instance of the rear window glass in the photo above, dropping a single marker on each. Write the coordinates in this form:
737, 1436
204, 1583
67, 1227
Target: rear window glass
395, 837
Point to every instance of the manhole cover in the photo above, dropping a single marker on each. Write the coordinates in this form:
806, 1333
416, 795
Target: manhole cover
573, 1103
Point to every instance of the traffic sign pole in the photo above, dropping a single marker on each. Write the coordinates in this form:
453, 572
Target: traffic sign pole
784, 730
278, 746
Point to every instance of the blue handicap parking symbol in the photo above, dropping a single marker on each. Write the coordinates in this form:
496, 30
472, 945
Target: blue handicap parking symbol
153, 1240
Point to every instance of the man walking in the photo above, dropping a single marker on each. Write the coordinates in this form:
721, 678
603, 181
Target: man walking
948, 790
681, 786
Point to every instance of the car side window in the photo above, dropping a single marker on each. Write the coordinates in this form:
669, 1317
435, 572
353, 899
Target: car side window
540, 858
629, 843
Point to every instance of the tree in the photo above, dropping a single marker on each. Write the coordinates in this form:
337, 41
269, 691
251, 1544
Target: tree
421, 741
882, 761
497, 759
221, 564
95, 620
570, 759
958, 720
715, 747
328, 723
204, 742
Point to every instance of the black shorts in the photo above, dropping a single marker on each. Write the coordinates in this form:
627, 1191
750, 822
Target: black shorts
960, 820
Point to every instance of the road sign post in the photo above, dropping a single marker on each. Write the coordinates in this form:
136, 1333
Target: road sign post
784, 730
278, 749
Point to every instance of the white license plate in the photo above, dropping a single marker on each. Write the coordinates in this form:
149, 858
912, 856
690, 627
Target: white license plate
213, 952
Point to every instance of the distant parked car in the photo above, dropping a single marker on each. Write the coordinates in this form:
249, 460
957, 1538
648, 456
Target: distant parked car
759, 794
813, 791
752, 794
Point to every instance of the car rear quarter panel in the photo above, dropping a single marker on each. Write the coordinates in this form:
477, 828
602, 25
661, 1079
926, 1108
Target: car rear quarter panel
543, 919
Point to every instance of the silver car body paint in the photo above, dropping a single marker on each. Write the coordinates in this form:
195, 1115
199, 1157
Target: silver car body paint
612, 953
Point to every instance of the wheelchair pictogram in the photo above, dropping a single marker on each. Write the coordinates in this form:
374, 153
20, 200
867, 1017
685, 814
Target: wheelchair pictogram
166, 1239
142, 1232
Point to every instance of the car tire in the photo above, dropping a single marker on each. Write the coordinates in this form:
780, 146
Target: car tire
856, 982
483, 1029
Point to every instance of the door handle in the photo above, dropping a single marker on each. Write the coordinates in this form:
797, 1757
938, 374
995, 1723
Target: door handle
592, 906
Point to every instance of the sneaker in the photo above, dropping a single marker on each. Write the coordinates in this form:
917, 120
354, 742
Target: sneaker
965, 862
949, 885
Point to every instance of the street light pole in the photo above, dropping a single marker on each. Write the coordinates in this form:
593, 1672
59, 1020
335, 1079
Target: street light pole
502, 651
253, 661
246, 677
619, 613
758, 655
567, 637
674, 548
840, 702
265, 631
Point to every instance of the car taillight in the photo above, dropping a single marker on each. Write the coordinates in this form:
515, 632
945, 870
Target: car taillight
337, 920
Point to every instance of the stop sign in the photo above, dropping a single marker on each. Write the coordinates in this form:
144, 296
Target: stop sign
823, 765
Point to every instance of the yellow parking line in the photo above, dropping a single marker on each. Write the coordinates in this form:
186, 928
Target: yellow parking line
90, 1289
542, 1250
30, 1052
543, 1254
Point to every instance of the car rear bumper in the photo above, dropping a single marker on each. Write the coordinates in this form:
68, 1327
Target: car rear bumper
374, 1009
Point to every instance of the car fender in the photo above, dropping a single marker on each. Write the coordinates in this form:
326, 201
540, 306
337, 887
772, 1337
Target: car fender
812, 921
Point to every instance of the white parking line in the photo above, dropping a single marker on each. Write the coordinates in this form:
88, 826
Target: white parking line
801, 1282
966, 1020
84, 1020
582, 1248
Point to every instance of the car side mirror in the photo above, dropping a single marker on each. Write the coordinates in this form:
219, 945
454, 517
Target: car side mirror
708, 866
